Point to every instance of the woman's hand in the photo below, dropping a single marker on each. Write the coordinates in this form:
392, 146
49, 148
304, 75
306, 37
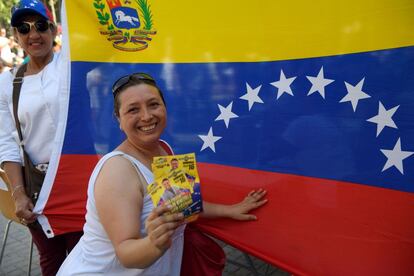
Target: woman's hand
240, 211
24, 207
160, 226
23, 204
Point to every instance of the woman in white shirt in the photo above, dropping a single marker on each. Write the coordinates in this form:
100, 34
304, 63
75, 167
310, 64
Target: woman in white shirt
38, 112
124, 234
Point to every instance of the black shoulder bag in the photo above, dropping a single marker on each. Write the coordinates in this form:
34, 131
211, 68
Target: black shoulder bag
33, 178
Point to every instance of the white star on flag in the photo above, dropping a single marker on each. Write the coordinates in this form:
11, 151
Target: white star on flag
384, 118
395, 157
252, 95
226, 114
209, 140
319, 83
283, 85
355, 94
32, 4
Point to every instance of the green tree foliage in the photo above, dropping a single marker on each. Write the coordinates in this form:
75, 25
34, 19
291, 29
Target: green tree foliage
6, 5
5, 9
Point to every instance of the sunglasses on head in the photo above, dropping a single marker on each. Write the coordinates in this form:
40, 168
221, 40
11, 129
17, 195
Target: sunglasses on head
40, 25
122, 81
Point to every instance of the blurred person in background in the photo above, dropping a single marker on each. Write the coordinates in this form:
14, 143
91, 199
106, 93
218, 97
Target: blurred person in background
6, 54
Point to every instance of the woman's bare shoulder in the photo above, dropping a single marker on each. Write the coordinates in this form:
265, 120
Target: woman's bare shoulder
118, 169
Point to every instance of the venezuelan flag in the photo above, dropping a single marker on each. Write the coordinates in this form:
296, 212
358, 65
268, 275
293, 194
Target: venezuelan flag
311, 100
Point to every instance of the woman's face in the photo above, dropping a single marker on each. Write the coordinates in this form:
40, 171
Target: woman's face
36, 44
142, 114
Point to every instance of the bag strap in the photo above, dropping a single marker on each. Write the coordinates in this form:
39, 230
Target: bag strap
17, 86
166, 147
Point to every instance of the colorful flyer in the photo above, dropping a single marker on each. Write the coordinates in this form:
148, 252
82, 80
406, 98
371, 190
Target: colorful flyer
176, 182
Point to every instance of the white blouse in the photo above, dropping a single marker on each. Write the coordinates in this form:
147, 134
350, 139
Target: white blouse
38, 114
94, 254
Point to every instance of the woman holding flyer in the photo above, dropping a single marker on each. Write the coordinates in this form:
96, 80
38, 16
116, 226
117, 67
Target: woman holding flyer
124, 233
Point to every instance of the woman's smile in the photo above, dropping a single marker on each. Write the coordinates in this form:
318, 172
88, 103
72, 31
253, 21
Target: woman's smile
148, 128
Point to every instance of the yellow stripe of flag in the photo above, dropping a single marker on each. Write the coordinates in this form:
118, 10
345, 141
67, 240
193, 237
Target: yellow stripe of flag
242, 30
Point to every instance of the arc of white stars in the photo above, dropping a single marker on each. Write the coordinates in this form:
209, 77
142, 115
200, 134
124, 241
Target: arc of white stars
209, 140
395, 157
318, 83
283, 85
384, 118
226, 114
252, 95
355, 94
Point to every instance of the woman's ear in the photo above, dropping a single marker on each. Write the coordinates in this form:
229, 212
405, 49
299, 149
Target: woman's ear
53, 29
52, 26
120, 126
119, 121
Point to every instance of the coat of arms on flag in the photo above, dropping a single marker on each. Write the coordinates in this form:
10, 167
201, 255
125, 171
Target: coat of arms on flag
127, 25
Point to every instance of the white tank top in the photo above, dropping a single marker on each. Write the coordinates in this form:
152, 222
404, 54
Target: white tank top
94, 254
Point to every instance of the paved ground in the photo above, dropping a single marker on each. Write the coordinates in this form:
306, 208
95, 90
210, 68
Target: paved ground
16, 256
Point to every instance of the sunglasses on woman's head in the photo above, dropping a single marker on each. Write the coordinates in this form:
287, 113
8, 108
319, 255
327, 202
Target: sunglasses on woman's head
40, 26
122, 81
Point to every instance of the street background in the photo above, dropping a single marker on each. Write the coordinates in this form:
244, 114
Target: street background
16, 256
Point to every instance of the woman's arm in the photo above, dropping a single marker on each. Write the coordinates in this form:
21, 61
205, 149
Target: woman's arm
119, 201
9, 148
238, 211
10, 152
24, 206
